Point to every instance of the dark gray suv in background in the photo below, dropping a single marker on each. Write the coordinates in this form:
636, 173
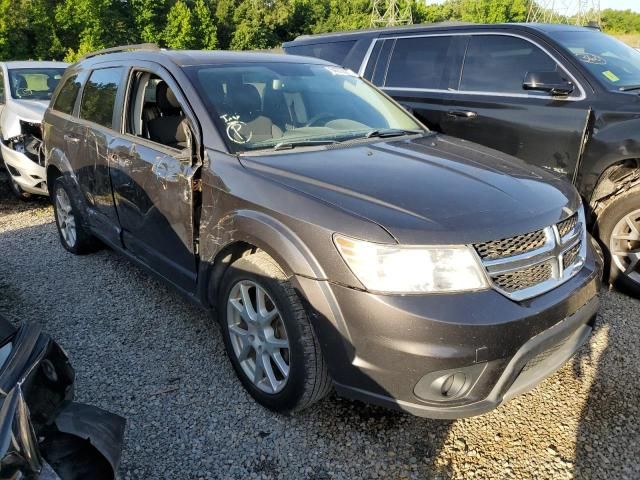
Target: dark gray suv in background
340, 242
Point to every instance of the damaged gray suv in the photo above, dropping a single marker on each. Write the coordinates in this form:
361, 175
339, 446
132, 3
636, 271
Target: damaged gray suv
338, 241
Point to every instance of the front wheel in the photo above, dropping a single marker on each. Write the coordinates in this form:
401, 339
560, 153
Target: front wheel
269, 338
619, 230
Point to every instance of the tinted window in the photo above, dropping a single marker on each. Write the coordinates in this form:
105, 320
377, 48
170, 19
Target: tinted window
496, 63
420, 63
99, 97
331, 52
66, 99
2, 94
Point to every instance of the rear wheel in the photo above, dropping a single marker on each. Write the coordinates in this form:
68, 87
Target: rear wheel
619, 229
269, 338
73, 235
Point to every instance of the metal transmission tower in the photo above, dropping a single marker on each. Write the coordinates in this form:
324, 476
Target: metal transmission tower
387, 13
578, 12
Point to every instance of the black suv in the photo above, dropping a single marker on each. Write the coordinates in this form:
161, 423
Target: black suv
560, 97
339, 241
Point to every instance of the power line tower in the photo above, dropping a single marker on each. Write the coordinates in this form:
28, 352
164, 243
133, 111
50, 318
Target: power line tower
577, 12
387, 13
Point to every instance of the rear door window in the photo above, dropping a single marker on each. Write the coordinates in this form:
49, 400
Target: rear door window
334, 52
66, 99
499, 64
422, 62
99, 97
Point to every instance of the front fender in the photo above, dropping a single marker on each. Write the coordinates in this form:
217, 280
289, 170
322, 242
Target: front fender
264, 232
614, 140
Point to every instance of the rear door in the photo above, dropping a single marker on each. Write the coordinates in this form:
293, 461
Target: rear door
153, 178
490, 106
94, 134
419, 72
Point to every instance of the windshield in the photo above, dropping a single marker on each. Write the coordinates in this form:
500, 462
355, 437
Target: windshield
34, 83
614, 63
284, 105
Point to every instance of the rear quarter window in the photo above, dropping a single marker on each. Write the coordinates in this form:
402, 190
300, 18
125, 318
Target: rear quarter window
334, 52
99, 97
420, 62
66, 99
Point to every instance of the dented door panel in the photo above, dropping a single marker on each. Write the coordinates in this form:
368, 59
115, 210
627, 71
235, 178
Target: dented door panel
544, 132
152, 188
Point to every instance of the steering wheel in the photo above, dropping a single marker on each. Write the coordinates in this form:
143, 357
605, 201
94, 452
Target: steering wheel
313, 122
23, 92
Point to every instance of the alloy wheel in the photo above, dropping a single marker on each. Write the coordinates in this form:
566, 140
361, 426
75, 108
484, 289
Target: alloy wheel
625, 246
258, 336
66, 219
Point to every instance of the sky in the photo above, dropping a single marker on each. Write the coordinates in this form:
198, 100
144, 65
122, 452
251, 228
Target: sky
615, 4
621, 4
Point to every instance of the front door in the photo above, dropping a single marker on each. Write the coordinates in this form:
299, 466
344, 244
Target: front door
492, 108
153, 167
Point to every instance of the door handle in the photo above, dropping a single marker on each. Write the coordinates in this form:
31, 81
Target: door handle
462, 114
71, 138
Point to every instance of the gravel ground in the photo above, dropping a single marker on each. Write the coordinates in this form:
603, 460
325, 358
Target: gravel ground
141, 351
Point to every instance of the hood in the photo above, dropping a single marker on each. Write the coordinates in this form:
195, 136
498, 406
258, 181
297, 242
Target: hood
29, 110
431, 189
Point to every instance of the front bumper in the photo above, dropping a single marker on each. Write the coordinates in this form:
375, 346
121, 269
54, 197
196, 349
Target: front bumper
449, 356
30, 176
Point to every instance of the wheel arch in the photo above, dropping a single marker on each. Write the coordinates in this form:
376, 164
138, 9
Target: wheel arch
618, 175
243, 233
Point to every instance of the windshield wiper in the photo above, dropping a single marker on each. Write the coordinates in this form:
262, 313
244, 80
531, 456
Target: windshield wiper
629, 88
303, 143
391, 132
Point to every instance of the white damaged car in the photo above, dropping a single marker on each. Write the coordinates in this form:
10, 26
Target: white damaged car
25, 92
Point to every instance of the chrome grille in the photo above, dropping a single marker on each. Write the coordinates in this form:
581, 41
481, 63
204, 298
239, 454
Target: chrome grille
525, 278
571, 256
531, 264
566, 226
511, 246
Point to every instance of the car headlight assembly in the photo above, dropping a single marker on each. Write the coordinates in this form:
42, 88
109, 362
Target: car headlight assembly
412, 270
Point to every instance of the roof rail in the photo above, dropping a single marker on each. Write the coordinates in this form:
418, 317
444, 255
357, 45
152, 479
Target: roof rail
123, 48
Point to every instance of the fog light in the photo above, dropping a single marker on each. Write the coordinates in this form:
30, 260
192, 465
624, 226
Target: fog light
453, 384
447, 385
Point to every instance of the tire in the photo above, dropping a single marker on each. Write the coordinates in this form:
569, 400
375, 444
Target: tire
308, 380
619, 230
73, 234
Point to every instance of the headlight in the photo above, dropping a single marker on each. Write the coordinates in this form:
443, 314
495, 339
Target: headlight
397, 269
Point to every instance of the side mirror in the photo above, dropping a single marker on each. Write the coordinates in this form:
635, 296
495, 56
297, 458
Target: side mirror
550, 82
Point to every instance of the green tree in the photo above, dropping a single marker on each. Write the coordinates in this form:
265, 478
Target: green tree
179, 32
149, 18
205, 30
225, 21
88, 25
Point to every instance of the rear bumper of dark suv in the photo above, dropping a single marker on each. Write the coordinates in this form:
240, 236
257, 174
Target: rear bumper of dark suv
454, 355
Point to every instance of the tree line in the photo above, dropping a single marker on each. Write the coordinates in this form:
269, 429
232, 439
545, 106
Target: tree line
66, 29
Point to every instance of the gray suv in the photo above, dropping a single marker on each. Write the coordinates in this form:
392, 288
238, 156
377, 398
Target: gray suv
339, 242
